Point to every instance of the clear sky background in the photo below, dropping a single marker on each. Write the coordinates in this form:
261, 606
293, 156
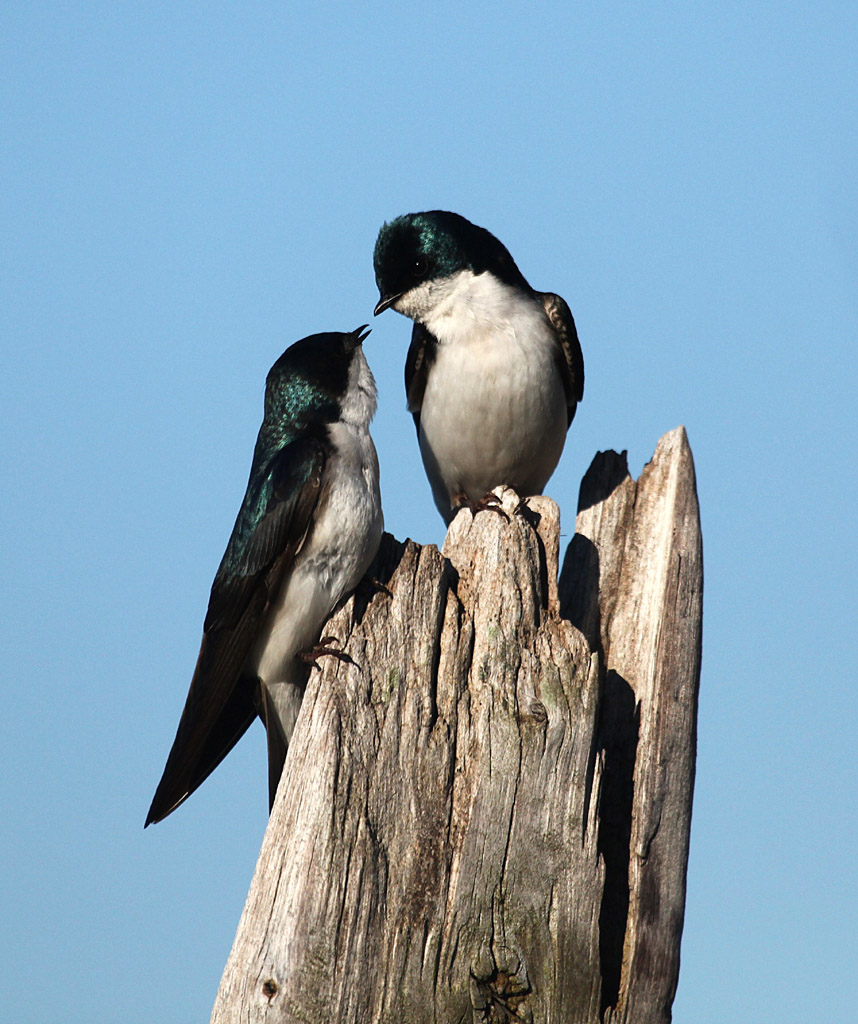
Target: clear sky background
186, 189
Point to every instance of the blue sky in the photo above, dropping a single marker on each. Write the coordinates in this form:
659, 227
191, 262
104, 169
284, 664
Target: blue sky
186, 189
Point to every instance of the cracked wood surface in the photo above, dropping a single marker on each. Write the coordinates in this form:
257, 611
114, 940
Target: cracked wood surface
484, 816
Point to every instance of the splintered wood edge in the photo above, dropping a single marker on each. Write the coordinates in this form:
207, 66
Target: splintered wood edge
632, 580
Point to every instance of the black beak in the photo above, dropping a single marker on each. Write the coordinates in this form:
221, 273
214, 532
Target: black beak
385, 302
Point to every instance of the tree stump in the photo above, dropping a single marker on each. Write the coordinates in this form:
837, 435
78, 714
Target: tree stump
484, 816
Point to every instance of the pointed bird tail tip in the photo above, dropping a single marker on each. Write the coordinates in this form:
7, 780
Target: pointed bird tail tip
161, 808
154, 816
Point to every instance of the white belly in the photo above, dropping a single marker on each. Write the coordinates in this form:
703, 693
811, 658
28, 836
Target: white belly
494, 412
345, 537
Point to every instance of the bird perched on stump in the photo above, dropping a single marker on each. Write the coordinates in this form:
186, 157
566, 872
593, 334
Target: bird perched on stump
494, 372
309, 526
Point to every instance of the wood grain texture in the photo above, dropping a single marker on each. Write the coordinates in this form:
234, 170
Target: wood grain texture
638, 547
446, 842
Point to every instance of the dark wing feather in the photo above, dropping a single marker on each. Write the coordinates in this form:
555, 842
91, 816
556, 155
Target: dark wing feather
277, 745
222, 702
421, 356
570, 360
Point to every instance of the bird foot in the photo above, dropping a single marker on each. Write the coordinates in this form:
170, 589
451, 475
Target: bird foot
488, 503
324, 646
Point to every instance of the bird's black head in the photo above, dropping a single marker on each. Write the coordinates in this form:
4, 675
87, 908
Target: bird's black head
310, 379
420, 247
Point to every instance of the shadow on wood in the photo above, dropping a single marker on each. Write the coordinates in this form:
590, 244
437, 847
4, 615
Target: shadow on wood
485, 816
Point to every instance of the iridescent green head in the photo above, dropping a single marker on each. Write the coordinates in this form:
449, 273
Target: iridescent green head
420, 247
308, 382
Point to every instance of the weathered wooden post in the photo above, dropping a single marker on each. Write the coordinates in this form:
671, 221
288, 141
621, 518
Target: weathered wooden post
485, 816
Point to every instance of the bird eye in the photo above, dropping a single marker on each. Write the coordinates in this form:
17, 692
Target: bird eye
421, 265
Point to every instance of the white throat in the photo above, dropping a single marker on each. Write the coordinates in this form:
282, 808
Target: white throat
361, 398
466, 303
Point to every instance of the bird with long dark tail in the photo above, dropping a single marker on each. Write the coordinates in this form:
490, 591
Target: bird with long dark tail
309, 526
